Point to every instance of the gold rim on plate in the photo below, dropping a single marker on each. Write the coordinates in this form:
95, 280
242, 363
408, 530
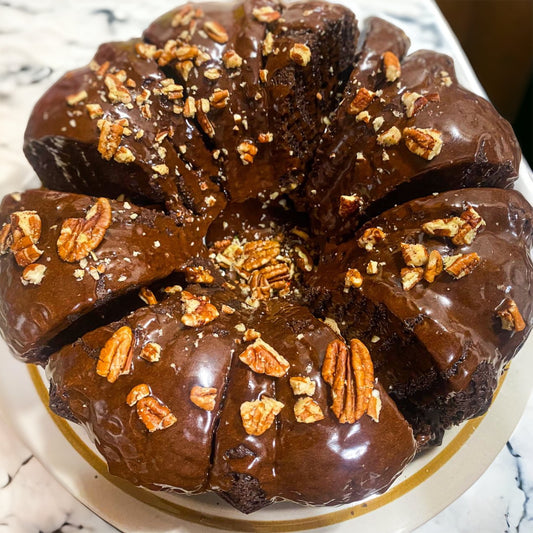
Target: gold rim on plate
232, 524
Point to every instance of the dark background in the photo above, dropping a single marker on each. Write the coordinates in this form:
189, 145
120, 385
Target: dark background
497, 36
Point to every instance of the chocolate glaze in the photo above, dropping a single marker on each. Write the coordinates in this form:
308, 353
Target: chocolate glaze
135, 252
61, 140
479, 147
354, 461
434, 337
437, 349
286, 104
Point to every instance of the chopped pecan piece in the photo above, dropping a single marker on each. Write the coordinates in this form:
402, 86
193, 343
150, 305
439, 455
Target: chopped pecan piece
198, 310
138, 393
268, 44
390, 137
302, 385
259, 253
76, 98
25, 233
300, 54
80, 236
33, 274
116, 355
250, 335
424, 142
145, 50
258, 416
461, 265
353, 278
247, 151
203, 120
361, 101
6, 238
185, 52
147, 296
204, 397
198, 274
374, 406
414, 255
372, 268
117, 91
266, 14
510, 316
184, 68
471, 223
219, 98
232, 59
370, 237
391, 66
413, 103
349, 204
264, 359
151, 352
443, 227
110, 137
411, 276
216, 31
434, 266
154, 414
307, 411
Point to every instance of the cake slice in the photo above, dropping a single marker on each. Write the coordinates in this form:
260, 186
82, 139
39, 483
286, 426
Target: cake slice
399, 134
198, 364
260, 77
112, 128
66, 255
440, 289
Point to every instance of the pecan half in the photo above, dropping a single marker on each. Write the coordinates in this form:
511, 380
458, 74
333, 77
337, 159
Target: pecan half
302, 385
364, 376
361, 101
264, 359
411, 276
257, 254
414, 255
216, 31
116, 355
204, 397
154, 414
370, 237
25, 233
198, 310
337, 372
259, 415
138, 393
510, 316
80, 236
461, 265
434, 266
391, 66
424, 142
259, 286
277, 275
307, 411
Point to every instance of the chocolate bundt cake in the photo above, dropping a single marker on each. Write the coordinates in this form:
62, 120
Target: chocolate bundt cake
237, 316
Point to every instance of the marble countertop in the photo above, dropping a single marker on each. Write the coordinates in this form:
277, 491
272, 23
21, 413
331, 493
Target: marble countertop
41, 39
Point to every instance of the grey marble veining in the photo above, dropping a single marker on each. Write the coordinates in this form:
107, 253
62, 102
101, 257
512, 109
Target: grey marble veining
39, 41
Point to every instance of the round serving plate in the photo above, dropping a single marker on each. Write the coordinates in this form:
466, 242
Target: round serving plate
430, 483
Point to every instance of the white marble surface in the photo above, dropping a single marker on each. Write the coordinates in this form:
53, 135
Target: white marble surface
39, 40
